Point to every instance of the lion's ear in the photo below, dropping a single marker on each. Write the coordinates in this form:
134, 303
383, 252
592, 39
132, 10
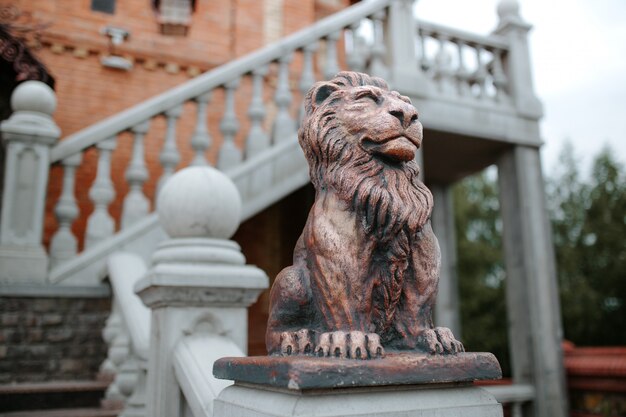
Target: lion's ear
319, 93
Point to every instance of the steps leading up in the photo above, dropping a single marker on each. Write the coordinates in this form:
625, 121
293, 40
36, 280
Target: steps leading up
54, 398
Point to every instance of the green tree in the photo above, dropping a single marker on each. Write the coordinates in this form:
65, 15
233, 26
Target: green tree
480, 266
589, 225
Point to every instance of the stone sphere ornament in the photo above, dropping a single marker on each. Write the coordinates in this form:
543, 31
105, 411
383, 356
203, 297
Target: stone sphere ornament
199, 202
34, 96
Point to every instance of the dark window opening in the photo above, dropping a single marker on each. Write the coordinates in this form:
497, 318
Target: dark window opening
105, 6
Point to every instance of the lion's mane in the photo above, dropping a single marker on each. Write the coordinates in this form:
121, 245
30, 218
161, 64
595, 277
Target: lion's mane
388, 198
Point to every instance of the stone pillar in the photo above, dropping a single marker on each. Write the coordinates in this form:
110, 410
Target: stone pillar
27, 136
198, 279
406, 75
535, 331
447, 307
517, 63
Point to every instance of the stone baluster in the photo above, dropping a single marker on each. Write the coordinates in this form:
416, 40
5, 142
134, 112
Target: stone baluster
119, 352
201, 139
135, 378
27, 137
169, 156
112, 328
356, 58
230, 154
499, 77
64, 244
480, 75
136, 205
377, 62
444, 72
331, 66
425, 63
257, 139
462, 73
308, 76
101, 224
284, 126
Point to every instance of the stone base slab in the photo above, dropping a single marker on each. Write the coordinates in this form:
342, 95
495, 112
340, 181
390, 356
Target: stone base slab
406, 401
310, 372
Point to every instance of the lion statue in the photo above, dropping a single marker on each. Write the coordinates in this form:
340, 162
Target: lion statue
366, 267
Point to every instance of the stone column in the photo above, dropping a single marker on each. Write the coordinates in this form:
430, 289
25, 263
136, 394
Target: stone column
535, 331
447, 307
27, 136
198, 280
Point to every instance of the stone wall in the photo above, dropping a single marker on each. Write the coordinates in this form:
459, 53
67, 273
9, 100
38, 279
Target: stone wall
51, 338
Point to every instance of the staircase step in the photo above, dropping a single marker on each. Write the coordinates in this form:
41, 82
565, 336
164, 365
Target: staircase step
65, 412
51, 395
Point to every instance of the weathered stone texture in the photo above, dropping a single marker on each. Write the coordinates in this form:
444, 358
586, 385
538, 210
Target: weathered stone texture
44, 339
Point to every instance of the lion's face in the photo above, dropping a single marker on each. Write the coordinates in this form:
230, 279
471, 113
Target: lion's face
381, 122
360, 140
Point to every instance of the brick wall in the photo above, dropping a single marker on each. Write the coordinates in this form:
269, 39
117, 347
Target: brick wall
45, 339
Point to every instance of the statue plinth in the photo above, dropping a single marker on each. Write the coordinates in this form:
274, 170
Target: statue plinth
407, 384
302, 373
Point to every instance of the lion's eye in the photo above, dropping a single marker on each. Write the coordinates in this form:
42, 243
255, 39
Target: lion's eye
367, 95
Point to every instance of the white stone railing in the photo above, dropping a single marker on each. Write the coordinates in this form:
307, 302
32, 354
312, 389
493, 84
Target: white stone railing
464, 65
127, 334
257, 98
516, 396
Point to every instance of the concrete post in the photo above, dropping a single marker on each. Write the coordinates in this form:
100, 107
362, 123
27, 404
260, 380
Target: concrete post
517, 63
447, 307
535, 331
27, 135
198, 281
400, 35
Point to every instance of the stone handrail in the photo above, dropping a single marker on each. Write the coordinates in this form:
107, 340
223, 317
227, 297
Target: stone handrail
516, 395
193, 365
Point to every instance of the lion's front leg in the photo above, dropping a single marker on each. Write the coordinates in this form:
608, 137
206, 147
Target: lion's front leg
415, 319
290, 326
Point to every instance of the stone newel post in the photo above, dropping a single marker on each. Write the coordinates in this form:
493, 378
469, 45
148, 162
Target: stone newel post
199, 282
517, 64
27, 136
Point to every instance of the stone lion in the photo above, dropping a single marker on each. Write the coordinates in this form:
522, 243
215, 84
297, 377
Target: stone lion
366, 267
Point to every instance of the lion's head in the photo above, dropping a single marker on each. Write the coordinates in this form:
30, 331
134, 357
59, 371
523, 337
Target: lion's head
360, 140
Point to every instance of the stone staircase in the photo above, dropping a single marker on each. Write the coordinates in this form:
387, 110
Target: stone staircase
55, 398
476, 92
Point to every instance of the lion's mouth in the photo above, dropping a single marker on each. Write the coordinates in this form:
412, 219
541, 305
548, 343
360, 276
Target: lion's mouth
397, 149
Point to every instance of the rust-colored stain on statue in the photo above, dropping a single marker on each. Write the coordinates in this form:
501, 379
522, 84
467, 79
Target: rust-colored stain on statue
366, 267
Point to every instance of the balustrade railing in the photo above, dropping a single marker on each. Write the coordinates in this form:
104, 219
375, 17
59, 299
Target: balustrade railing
225, 117
464, 65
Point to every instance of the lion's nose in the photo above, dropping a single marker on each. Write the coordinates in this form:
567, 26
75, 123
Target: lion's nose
405, 114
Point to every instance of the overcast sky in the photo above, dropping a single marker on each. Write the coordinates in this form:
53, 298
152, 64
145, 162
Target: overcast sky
578, 51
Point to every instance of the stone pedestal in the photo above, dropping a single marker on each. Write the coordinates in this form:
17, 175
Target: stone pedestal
406, 401
27, 136
405, 384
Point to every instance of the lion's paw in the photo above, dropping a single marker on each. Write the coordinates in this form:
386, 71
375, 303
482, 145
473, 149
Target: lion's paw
439, 340
355, 345
301, 342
